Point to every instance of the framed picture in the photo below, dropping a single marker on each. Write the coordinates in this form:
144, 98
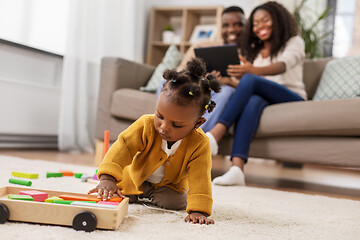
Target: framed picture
203, 32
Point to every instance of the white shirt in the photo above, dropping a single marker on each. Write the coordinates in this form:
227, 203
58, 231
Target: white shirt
293, 56
159, 173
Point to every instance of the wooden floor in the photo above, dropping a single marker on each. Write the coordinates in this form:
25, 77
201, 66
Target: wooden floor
310, 179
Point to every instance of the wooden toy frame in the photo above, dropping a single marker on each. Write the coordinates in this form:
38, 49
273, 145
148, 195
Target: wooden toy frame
59, 214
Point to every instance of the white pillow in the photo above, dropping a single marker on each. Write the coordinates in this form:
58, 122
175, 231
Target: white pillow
170, 61
340, 79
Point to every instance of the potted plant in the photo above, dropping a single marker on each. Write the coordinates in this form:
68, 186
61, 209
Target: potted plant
168, 34
310, 33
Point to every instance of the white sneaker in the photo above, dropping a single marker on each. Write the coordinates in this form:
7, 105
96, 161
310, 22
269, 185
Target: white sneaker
234, 176
213, 144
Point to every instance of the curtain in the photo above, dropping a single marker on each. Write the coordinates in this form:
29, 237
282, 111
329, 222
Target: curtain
96, 28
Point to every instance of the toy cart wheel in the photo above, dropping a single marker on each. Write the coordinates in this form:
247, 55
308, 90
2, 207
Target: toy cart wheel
4, 213
85, 221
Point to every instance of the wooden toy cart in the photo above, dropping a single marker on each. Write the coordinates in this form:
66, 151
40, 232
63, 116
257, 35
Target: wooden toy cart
79, 217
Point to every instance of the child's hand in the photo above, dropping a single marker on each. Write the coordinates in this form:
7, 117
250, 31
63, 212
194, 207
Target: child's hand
198, 217
106, 189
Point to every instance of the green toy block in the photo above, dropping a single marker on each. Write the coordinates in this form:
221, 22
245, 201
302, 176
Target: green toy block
20, 197
25, 175
52, 199
78, 175
20, 181
63, 202
53, 174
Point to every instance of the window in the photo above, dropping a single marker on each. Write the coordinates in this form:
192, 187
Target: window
344, 27
38, 23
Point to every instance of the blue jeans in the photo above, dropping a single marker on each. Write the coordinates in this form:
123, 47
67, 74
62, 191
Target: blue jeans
221, 98
246, 105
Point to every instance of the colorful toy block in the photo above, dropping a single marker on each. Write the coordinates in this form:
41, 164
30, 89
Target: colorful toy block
53, 174
106, 141
20, 181
86, 204
25, 175
63, 202
20, 197
78, 175
115, 199
67, 173
76, 198
52, 199
109, 203
36, 195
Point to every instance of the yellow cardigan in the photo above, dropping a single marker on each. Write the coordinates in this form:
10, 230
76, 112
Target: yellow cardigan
137, 153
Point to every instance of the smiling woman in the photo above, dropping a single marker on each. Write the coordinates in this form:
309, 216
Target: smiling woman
271, 73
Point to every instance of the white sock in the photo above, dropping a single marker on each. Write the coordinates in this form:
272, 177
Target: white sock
234, 176
213, 144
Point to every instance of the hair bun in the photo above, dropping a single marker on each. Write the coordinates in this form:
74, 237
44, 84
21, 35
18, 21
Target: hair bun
196, 66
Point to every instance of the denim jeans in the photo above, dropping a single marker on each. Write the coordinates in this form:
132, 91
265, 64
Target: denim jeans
221, 98
246, 105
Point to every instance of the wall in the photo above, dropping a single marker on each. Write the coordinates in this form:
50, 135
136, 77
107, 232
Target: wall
29, 96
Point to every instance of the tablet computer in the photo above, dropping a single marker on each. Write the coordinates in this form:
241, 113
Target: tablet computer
218, 58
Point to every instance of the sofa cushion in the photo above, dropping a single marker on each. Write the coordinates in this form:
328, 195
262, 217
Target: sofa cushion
324, 118
340, 79
170, 61
130, 104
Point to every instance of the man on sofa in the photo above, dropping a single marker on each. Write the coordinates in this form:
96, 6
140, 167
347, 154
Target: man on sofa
232, 24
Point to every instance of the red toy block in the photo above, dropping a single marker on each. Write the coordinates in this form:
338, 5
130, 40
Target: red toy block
36, 195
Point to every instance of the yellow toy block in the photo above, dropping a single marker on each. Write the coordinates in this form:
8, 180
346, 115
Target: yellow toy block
52, 199
25, 175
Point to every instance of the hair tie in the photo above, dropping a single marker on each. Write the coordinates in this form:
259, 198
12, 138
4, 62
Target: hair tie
208, 105
190, 93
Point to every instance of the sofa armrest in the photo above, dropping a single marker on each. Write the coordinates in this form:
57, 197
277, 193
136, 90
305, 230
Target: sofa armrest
117, 73
312, 72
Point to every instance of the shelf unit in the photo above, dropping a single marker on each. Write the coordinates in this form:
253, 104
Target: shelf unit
183, 20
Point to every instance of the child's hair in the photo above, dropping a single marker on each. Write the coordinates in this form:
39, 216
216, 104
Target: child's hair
284, 27
191, 86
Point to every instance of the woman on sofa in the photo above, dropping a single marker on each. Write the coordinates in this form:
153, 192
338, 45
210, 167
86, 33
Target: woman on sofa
270, 73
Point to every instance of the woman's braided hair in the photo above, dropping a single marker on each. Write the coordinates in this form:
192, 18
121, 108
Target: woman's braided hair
190, 86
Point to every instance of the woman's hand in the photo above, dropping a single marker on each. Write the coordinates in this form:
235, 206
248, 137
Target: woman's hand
231, 81
198, 217
239, 70
106, 188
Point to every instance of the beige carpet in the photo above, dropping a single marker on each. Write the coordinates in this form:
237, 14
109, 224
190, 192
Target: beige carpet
239, 213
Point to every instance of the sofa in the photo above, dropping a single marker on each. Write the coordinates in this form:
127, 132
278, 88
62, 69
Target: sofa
315, 132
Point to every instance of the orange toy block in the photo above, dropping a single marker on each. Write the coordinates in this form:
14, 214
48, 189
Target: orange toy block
115, 199
106, 141
76, 198
67, 173
36, 195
